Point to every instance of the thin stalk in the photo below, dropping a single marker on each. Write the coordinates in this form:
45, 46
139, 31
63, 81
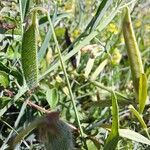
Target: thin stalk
108, 89
66, 76
21, 16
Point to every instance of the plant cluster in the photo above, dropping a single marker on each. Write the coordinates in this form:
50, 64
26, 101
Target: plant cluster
74, 74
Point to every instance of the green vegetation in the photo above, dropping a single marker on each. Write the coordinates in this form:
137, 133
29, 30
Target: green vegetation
74, 74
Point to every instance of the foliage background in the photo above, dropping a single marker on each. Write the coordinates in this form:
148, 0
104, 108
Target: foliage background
93, 103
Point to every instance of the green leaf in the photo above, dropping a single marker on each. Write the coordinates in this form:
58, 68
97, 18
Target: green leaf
99, 69
142, 92
132, 135
112, 140
104, 5
4, 80
13, 72
24, 7
21, 91
84, 41
52, 97
48, 36
4, 101
29, 54
140, 118
45, 45
91, 145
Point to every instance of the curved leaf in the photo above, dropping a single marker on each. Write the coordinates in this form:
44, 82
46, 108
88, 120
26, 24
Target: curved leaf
112, 140
132, 135
142, 92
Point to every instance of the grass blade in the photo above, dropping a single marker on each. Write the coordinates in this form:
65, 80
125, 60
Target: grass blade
83, 42
21, 91
66, 76
142, 92
24, 6
112, 140
44, 46
99, 69
99, 14
132, 135
88, 67
140, 118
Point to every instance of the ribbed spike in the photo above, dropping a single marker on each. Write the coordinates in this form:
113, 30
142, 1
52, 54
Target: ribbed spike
29, 54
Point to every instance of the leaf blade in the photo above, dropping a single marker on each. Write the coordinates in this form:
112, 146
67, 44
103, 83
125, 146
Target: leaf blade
132, 135
112, 140
142, 92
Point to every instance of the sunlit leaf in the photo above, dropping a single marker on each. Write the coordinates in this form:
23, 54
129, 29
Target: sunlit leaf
12, 72
52, 97
91, 145
24, 7
99, 69
88, 67
142, 92
4, 80
132, 135
140, 118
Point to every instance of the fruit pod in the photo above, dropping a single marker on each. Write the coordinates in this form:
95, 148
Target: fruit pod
29, 54
132, 50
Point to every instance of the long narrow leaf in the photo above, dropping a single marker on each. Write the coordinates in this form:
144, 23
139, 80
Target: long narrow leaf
89, 66
140, 118
113, 138
99, 69
83, 42
24, 6
45, 44
142, 92
99, 14
132, 135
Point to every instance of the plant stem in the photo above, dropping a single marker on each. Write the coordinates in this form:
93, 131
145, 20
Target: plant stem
66, 76
21, 16
108, 89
